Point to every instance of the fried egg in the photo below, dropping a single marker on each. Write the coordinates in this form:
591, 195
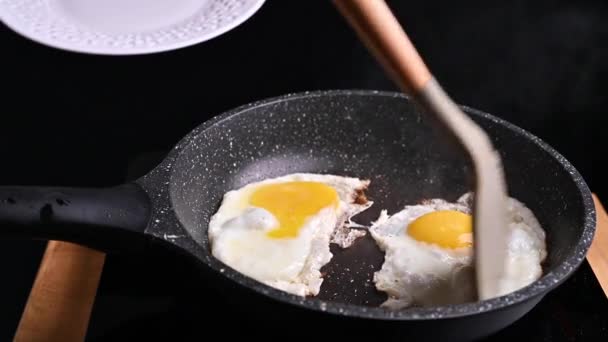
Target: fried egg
429, 252
278, 231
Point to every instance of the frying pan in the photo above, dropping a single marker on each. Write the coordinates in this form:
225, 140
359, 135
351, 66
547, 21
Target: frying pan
380, 136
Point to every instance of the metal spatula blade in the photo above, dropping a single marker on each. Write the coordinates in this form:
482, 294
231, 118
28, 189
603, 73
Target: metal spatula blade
490, 202
490, 227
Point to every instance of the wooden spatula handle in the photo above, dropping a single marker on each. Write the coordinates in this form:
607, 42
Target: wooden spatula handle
381, 32
597, 256
61, 299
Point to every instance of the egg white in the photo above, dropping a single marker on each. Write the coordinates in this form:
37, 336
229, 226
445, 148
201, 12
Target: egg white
238, 235
416, 273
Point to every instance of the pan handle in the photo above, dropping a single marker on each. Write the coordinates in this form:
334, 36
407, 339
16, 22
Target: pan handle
106, 218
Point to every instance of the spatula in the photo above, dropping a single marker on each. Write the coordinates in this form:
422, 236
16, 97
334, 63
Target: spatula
377, 27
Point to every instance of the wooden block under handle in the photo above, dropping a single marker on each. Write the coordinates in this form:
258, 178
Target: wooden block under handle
598, 252
61, 299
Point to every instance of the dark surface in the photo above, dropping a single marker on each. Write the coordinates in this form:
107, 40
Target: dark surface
352, 133
71, 119
225, 153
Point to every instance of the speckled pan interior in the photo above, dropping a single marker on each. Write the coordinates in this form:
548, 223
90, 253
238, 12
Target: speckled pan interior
374, 135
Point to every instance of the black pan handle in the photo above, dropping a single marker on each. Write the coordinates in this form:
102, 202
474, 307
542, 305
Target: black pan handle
108, 218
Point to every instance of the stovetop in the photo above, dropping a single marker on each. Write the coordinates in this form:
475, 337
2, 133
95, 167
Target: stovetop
158, 295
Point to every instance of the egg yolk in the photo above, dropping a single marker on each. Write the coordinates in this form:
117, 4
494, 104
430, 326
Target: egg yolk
292, 203
445, 228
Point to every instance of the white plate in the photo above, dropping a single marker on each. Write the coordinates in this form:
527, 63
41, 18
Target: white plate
124, 27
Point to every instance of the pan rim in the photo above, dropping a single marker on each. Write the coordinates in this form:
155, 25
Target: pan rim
538, 288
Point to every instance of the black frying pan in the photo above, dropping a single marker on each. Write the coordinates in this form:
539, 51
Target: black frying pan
375, 135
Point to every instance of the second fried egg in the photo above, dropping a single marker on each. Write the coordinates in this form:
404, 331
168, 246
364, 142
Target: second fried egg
429, 254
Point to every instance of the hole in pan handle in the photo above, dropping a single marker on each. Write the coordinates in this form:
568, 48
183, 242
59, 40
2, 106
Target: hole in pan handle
110, 219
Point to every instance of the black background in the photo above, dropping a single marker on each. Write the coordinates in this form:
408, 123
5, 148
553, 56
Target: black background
76, 119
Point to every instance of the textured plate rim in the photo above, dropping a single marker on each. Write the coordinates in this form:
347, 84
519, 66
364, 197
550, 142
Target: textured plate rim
14, 25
